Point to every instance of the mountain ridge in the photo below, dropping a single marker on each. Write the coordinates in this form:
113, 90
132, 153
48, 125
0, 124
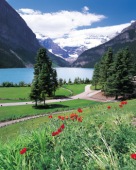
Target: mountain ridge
18, 44
126, 38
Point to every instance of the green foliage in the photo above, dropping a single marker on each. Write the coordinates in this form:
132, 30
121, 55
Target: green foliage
104, 140
45, 78
115, 73
96, 75
16, 112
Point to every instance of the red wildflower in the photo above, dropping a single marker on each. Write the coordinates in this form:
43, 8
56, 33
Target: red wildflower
79, 110
120, 105
55, 133
133, 156
66, 117
109, 107
23, 151
62, 126
73, 116
50, 116
62, 118
124, 102
79, 119
59, 117
59, 130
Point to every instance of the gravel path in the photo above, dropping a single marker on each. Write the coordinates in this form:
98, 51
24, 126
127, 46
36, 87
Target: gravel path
87, 94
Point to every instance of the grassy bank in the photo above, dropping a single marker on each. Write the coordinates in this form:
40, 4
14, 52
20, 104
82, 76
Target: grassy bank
21, 94
15, 112
104, 139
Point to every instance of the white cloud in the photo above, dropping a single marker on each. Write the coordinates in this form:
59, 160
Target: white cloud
63, 27
59, 23
91, 37
85, 9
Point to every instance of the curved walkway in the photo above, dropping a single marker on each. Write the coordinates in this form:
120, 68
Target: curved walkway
85, 95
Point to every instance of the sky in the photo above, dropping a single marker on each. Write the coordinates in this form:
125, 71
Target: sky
66, 20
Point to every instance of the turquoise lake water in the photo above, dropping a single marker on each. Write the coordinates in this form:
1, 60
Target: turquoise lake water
16, 75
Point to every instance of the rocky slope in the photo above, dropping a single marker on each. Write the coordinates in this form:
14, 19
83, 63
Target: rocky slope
18, 44
127, 38
54, 48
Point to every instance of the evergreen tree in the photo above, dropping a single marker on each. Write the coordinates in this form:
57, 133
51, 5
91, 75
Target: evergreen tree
119, 81
69, 81
55, 81
60, 82
96, 75
105, 65
43, 82
44, 77
35, 92
127, 73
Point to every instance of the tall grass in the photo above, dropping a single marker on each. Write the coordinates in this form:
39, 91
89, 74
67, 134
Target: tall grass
104, 140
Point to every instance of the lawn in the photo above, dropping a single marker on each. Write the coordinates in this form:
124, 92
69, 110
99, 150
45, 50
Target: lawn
21, 94
75, 88
15, 112
104, 139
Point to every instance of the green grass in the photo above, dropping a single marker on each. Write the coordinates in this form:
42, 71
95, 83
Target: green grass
14, 93
15, 112
75, 88
61, 92
98, 87
21, 94
104, 140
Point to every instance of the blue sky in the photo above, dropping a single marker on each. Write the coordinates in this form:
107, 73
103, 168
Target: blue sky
66, 20
116, 11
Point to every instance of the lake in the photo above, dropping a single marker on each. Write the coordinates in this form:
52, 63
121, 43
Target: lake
16, 75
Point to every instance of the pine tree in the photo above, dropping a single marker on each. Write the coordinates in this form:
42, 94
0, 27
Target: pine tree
105, 65
44, 77
43, 82
119, 81
55, 80
96, 75
35, 92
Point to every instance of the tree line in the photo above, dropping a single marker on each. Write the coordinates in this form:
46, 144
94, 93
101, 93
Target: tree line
114, 73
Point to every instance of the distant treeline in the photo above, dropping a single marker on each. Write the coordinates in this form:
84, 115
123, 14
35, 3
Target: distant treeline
11, 84
60, 82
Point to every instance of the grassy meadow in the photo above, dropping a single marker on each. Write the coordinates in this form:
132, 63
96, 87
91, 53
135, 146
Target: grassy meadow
21, 94
101, 137
15, 112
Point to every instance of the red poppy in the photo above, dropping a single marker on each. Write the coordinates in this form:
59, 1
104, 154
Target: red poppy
79, 110
62, 118
59, 130
59, 117
79, 119
109, 107
23, 151
133, 156
50, 116
120, 105
66, 117
55, 133
62, 126
73, 116
124, 102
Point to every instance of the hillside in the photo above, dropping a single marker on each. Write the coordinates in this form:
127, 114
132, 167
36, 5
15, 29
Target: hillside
100, 136
18, 44
126, 38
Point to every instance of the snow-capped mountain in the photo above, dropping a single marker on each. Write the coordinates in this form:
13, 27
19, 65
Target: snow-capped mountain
76, 42
54, 48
